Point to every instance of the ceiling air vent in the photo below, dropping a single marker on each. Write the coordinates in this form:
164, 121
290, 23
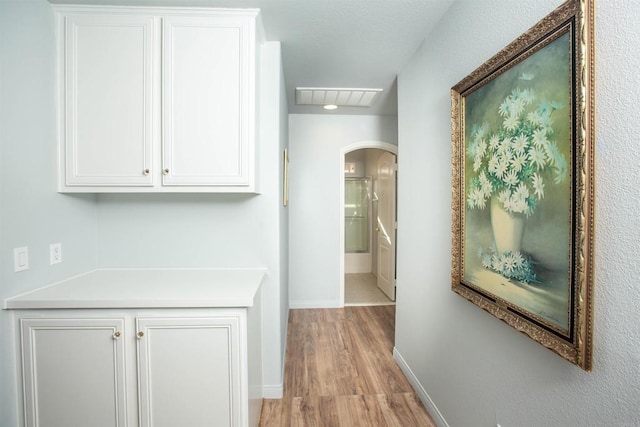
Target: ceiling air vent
336, 96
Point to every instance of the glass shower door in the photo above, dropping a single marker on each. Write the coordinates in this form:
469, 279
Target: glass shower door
357, 200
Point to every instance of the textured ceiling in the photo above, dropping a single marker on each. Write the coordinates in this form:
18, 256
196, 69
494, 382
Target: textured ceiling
335, 43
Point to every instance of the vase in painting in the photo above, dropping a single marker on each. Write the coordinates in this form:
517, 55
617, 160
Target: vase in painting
508, 228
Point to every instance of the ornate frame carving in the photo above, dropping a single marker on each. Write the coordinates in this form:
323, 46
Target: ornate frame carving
574, 343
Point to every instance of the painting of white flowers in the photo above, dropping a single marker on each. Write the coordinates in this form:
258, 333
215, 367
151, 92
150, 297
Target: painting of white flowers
517, 192
520, 162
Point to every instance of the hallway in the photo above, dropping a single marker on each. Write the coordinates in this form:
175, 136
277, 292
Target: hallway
340, 372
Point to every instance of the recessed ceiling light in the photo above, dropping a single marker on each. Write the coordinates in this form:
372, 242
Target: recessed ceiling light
330, 107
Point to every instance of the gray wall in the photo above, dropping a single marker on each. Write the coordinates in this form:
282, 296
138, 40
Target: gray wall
317, 168
215, 230
284, 216
162, 230
32, 213
477, 370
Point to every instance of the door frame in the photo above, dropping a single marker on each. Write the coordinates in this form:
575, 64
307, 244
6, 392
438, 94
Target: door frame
381, 145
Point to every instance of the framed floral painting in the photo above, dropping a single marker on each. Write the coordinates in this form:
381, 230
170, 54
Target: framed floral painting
523, 177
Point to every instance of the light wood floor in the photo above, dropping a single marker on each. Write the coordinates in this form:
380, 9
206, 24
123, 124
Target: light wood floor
339, 371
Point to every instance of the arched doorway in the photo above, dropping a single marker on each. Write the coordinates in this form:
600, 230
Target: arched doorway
386, 231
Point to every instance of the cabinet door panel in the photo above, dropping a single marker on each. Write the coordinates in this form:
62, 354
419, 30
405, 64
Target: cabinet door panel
73, 372
108, 100
206, 101
189, 372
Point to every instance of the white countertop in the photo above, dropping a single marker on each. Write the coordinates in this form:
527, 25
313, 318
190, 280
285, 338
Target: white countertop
146, 288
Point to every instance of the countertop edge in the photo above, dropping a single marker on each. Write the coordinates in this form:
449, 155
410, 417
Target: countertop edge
115, 304
244, 297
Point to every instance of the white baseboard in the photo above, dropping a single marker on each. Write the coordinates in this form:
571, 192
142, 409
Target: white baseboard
314, 304
273, 391
420, 391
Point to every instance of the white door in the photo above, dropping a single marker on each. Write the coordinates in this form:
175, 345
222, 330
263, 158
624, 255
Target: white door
205, 101
189, 372
107, 100
74, 372
386, 225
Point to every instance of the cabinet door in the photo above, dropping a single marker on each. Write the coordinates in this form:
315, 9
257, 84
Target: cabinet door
73, 372
208, 100
189, 372
107, 132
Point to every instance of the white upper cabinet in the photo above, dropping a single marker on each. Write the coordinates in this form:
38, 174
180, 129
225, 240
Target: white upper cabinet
157, 100
107, 109
206, 83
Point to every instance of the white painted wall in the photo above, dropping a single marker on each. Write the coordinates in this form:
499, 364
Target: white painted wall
124, 230
357, 262
283, 243
274, 138
32, 213
215, 230
317, 162
477, 370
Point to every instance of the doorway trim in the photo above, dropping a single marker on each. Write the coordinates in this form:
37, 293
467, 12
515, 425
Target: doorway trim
381, 145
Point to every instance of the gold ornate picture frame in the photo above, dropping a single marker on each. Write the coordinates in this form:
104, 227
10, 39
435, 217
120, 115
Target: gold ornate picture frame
523, 183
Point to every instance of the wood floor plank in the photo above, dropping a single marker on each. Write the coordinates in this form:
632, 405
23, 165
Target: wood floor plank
340, 371
276, 412
361, 410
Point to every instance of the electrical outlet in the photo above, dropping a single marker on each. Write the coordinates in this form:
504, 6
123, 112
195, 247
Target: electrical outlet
21, 259
55, 253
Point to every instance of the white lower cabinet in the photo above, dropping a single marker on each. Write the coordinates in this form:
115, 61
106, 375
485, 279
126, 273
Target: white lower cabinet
73, 372
156, 368
189, 371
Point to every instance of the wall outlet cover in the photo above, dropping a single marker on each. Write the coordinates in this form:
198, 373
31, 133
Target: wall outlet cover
55, 253
21, 259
